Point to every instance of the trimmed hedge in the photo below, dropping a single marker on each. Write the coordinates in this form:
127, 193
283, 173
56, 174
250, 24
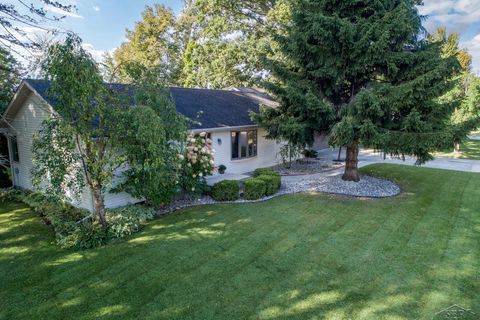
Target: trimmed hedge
254, 188
226, 190
272, 183
265, 171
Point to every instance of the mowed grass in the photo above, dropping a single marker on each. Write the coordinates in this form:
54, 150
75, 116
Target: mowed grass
306, 256
469, 149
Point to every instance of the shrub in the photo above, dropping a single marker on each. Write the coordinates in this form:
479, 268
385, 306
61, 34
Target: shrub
272, 183
310, 153
197, 163
127, 220
264, 171
254, 188
226, 190
77, 228
84, 235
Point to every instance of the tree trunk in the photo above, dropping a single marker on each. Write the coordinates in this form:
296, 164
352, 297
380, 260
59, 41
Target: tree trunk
99, 205
339, 157
351, 163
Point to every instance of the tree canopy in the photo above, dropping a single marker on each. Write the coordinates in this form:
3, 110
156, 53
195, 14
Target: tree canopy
210, 44
466, 116
365, 72
98, 134
153, 43
9, 77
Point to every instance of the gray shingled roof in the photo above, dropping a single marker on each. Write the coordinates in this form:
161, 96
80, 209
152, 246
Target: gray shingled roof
219, 108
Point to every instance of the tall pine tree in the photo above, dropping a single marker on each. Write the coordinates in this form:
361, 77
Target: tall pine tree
362, 70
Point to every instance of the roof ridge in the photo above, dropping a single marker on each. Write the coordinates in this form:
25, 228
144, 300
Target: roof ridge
170, 87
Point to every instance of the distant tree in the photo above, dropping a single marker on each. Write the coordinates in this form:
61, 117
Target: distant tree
10, 75
151, 44
14, 18
450, 47
466, 116
231, 40
362, 70
210, 44
96, 131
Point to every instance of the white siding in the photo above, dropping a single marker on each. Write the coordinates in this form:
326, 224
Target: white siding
321, 141
27, 121
267, 152
115, 200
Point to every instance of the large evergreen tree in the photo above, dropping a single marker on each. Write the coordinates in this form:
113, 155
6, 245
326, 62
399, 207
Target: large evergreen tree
362, 70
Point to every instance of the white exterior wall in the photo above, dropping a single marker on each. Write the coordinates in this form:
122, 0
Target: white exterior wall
267, 152
27, 121
320, 141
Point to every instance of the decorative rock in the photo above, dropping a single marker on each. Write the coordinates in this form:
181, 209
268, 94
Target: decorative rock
369, 187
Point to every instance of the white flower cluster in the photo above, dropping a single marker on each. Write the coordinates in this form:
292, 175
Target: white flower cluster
199, 155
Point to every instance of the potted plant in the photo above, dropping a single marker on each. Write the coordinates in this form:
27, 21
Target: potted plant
221, 169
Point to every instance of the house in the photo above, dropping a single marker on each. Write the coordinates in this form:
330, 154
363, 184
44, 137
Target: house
224, 114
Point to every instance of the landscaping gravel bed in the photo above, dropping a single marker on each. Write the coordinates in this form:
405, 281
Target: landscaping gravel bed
306, 166
368, 187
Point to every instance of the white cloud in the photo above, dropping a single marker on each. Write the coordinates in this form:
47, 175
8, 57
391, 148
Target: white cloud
456, 15
96, 8
60, 12
96, 54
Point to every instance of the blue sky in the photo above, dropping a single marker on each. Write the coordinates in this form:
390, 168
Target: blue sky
102, 23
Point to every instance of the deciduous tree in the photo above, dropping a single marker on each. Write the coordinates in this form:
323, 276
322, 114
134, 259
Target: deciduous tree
152, 44
97, 130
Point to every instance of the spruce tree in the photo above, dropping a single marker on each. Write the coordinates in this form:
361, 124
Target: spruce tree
364, 71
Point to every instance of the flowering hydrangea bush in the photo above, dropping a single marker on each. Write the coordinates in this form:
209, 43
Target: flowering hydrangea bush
198, 162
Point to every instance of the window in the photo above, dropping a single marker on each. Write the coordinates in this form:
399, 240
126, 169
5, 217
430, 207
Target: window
244, 144
14, 145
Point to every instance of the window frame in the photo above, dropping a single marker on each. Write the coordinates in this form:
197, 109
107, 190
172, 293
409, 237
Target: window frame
250, 153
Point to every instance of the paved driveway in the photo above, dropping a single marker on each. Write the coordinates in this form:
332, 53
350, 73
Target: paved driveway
367, 157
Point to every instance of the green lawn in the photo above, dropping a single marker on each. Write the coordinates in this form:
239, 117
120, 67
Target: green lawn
469, 149
294, 257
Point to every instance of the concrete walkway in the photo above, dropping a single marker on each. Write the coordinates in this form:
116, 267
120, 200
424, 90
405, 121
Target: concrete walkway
367, 157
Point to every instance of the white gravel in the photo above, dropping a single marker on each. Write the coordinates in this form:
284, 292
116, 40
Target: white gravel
367, 187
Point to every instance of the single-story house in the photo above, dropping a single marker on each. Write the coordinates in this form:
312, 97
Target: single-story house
239, 143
